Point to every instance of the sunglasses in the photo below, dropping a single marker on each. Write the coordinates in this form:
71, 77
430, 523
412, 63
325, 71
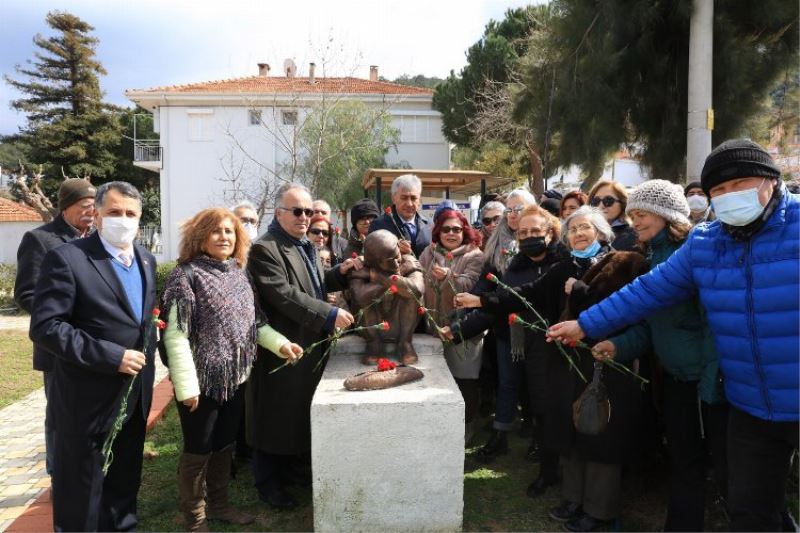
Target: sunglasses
607, 201
317, 231
298, 211
451, 229
517, 210
491, 220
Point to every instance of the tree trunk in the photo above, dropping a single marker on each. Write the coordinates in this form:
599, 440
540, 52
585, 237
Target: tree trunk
32, 195
535, 182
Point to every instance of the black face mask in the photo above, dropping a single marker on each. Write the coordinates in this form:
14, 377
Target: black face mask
532, 246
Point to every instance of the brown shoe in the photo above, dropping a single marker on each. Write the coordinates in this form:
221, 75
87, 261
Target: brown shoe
191, 490
217, 481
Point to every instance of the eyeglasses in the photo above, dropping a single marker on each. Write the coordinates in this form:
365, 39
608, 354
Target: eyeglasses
451, 229
580, 227
317, 231
320, 212
297, 211
245, 220
607, 201
517, 210
490, 221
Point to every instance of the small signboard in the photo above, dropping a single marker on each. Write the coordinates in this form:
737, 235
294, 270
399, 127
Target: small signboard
432, 207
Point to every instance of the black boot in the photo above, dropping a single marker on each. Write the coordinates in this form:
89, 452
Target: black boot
495, 446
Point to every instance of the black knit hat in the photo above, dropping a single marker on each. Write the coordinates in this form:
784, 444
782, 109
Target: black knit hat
552, 193
551, 205
73, 190
362, 209
692, 185
737, 158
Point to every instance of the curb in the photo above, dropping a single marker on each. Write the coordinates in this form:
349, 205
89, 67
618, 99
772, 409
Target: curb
39, 515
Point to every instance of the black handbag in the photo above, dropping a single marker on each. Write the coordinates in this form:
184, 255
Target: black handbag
591, 412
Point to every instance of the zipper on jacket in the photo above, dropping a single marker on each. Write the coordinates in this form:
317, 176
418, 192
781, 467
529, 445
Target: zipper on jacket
752, 327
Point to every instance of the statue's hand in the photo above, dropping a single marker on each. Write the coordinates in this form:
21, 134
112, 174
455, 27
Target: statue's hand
405, 247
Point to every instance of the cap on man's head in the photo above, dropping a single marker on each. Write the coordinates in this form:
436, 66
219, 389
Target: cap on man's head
734, 159
692, 185
74, 190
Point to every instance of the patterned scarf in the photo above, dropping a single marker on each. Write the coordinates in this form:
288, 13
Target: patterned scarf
219, 317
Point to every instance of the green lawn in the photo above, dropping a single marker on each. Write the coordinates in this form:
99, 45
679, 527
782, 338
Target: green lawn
494, 496
16, 360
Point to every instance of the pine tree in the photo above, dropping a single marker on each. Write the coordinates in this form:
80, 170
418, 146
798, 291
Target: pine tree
69, 127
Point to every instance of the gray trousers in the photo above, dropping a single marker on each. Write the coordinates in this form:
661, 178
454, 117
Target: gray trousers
596, 486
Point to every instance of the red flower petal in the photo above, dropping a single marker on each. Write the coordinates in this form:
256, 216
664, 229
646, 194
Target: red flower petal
156, 311
421, 310
491, 277
449, 256
384, 365
385, 326
393, 289
162, 324
388, 210
512, 319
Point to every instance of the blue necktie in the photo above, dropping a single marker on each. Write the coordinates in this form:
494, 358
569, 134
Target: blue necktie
412, 231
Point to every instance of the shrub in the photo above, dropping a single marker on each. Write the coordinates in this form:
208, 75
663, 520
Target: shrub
162, 273
8, 275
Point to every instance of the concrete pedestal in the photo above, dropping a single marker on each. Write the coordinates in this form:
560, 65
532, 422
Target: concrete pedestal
392, 459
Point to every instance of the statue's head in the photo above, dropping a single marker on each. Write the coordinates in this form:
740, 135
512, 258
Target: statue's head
381, 251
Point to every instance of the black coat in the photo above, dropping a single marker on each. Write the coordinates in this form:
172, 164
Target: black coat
618, 443
278, 406
81, 315
34, 245
393, 223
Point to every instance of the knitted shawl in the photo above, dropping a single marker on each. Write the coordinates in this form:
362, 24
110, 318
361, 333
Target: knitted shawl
219, 318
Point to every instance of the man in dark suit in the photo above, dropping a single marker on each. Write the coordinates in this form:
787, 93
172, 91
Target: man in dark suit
403, 219
75, 218
93, 311
291, 286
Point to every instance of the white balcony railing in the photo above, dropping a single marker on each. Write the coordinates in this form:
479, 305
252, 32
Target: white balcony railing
147, 151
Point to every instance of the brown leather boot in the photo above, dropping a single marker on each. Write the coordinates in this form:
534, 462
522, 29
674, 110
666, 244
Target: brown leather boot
191, 490
217, 481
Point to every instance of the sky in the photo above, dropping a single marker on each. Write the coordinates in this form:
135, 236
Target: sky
148, 43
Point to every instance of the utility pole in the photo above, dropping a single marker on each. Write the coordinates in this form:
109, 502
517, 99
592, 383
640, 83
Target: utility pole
700, 118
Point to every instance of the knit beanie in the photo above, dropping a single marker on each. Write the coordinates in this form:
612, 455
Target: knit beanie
737, 158
362, 209
662, 198
73, 190
551, 205
692, 185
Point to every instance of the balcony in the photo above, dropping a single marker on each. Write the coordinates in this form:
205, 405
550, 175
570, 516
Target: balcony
147, 154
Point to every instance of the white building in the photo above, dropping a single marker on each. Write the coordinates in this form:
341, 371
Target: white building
15, 220
211, 132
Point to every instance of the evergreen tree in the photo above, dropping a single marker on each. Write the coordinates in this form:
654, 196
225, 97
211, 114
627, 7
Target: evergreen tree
620, 69
69, 127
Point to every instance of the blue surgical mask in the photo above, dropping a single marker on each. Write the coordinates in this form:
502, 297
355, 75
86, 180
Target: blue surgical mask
738, 208
589, 251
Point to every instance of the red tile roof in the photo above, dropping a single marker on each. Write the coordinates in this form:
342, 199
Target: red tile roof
11, 211
284, 85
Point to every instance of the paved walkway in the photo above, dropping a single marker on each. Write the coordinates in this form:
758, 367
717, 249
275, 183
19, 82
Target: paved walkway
23, 479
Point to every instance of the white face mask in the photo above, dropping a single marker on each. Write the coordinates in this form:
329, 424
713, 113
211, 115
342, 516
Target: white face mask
697, 203
119, 231
739, 208
252, 230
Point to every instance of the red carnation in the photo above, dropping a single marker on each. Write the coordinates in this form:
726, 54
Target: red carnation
491, 277
336, 230
162, 324
384, 326
388, 210
394, 277
393, 289
421, 310
156, 311
512, 319
504, 251
384, 365
449, 256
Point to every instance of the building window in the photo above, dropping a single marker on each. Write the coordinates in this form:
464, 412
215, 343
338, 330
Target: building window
254, 117
200, 122
289, 118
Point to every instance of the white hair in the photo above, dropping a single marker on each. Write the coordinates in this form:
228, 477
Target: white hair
321, 201
244, 204
492, 206
523, 194
408, 182
286, 187
596, 219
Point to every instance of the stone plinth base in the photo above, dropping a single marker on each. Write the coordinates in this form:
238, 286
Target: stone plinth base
392, 459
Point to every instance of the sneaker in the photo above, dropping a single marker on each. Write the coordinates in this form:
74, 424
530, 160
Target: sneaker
565, 511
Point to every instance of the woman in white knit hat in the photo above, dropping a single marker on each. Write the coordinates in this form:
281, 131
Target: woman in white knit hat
694, 405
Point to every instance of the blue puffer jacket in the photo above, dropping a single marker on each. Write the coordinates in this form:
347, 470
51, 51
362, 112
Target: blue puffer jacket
750, 292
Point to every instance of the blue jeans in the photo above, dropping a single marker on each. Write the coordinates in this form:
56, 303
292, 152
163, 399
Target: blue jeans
509, 375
